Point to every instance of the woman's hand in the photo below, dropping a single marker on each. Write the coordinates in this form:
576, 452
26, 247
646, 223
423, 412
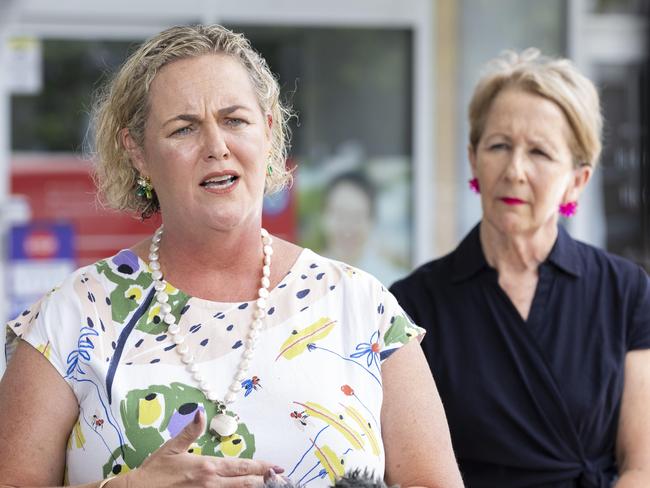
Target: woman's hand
171, 465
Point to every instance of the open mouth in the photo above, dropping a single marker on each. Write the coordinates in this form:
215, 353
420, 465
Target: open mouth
219, 182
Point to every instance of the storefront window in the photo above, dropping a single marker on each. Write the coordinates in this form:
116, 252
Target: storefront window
624, 91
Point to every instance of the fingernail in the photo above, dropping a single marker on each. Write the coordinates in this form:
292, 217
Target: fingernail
278, 469
197, 417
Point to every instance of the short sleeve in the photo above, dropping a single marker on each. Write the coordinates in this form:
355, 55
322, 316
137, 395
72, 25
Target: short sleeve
50, 326
639, 328
396, 327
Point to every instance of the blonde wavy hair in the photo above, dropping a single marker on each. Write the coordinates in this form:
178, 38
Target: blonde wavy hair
123, 103
557, 80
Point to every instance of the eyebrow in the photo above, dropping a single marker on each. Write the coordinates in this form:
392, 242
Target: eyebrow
195, 118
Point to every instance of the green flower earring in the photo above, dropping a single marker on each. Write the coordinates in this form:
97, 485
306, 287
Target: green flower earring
144, 189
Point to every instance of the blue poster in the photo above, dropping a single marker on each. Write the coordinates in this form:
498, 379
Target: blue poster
41, 255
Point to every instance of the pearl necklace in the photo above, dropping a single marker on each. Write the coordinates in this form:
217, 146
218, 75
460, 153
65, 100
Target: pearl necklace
221, 424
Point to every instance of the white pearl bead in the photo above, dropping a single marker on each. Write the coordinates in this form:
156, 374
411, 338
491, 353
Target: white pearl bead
235, 388
156, 238
198, 377
179, 338
159, 285
187, 358
266, 271
264, 232
241, 375
203, 385
253, 334
268, 251
229, 397
212, 396
154, 265
265, 282
183, 349
156, 275
162, 297
165, 308
259, 313
169, 319
267, 260
193, 368
173, 329
261, 303
263, 293
267, 240
249, 353
154, 247
244, 364
153, 256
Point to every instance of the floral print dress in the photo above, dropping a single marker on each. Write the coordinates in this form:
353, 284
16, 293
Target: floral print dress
311, 403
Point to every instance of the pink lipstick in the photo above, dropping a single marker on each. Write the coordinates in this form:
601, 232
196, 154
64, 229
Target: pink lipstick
511, 201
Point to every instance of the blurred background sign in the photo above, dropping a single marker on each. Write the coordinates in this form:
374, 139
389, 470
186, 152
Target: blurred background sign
25, 63
41, 255
60, 187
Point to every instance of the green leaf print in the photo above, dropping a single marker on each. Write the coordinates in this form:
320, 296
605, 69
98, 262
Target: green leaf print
153, 415
128, 294
400, 332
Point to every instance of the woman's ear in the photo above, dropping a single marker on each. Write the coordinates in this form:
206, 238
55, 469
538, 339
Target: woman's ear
269, 125
134, 150
581, 177
471, 155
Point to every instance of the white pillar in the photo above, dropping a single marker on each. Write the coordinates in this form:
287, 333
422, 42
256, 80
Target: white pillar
7, 15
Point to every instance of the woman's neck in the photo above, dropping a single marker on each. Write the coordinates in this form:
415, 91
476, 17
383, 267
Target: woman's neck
516, 253
212, 250
217, 265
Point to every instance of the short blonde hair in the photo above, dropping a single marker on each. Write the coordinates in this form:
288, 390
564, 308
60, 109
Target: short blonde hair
557, 80
123, 103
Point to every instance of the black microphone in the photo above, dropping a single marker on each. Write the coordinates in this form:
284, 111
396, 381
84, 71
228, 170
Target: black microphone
354, 479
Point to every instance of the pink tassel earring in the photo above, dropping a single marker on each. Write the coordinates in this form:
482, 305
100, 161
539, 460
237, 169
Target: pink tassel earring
568, 209
474, 186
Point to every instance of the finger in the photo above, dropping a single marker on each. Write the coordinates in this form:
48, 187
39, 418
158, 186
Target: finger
269, 475
192, 431
244, 467
273, 479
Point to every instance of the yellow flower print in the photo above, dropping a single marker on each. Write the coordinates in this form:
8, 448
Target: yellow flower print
154, 311
134, 292
232, 446
170, 290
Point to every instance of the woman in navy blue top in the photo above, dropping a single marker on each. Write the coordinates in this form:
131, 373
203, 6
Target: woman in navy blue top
538, 343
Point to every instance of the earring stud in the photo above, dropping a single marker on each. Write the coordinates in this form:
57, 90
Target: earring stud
568, 209
474, 186
144, 189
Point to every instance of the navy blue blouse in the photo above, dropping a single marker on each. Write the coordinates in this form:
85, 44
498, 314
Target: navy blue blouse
535, 402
